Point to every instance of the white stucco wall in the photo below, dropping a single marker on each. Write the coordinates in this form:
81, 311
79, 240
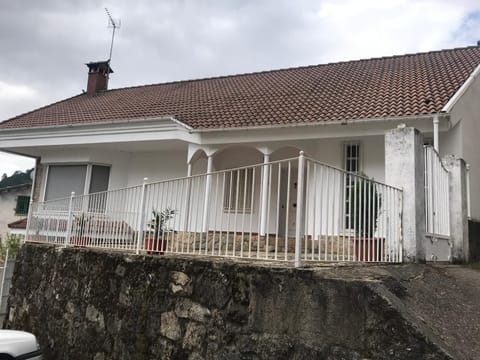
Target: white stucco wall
467, 113
157, 166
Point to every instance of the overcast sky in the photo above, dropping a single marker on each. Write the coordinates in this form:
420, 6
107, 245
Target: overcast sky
45, 44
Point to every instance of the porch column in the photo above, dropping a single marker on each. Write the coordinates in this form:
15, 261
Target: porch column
264, 204
208, 186
188, 191
404, 168
458, 207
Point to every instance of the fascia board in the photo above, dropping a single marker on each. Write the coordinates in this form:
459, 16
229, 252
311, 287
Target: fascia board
160, 129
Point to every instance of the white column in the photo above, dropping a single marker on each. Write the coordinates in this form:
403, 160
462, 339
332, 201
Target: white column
141, 217
405, 169
458, 207
208, 186
264, 204
188, 191
300, 219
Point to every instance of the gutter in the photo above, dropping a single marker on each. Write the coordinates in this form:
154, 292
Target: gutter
99, 123
317, 123
454, 99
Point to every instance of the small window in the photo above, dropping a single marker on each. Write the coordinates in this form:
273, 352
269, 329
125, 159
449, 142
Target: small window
352, 158
22, 205
352, 165
238, 183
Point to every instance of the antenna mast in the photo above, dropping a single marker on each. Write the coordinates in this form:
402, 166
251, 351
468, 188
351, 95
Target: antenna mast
114, 24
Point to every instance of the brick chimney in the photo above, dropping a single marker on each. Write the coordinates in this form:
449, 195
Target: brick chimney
98, 76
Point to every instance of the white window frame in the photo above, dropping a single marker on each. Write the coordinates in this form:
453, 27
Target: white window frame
88, 175
359, 155
359, 160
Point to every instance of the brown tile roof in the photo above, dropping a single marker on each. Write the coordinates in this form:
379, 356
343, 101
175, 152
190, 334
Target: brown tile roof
19, 224
406, 85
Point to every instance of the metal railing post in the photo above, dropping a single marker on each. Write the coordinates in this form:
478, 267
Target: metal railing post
300, 214
5, 263
141, 216
69, 219
29, 217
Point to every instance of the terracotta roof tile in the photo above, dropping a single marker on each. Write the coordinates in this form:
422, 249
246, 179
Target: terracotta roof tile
382, 87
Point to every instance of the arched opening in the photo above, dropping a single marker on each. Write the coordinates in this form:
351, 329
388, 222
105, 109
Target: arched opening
199, 162
237, 156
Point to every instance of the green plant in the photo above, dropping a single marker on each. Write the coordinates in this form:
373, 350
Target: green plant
159, 220
367, 206
12, 243
80, 222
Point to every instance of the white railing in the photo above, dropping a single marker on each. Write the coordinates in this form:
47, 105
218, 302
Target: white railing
437, 205
289, 210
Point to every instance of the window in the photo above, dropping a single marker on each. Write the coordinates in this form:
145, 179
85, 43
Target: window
352, 164
98, 183
63, 179
238, 183
22, 205
81, 179
352, 157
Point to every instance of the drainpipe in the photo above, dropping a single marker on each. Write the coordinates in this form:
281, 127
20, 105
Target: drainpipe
468, 191
435, 132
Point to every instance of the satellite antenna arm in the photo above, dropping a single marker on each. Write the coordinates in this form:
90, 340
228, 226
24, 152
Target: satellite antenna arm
114, 24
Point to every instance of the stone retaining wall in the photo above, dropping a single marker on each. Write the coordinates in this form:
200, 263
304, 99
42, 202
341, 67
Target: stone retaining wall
85, 304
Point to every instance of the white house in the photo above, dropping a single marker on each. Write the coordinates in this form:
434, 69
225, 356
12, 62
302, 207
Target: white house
14, 202
196, 131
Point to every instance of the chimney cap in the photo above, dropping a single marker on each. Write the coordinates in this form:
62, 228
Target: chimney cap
100, 66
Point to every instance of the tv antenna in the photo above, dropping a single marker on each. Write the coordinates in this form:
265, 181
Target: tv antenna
114, 24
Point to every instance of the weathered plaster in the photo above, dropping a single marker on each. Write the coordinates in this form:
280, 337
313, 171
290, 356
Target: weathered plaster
404, 168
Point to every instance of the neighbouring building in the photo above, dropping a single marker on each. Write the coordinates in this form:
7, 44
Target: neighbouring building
14, 203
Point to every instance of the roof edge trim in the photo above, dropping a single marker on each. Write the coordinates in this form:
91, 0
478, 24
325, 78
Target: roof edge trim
100, 123
320, 123
454, 99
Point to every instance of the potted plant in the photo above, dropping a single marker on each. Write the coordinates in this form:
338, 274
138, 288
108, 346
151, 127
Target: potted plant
80, 223
154, 241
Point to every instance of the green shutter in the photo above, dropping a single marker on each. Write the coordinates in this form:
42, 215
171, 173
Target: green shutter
22, 205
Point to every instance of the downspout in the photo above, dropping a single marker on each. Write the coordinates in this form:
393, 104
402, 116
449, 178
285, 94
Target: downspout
435, 132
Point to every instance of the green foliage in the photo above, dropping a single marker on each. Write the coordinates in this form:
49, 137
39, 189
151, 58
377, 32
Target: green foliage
18, 178
80, 222
159, 221
12, 243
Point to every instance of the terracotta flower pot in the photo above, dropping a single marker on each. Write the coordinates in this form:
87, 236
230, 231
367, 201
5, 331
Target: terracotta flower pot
154, 245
